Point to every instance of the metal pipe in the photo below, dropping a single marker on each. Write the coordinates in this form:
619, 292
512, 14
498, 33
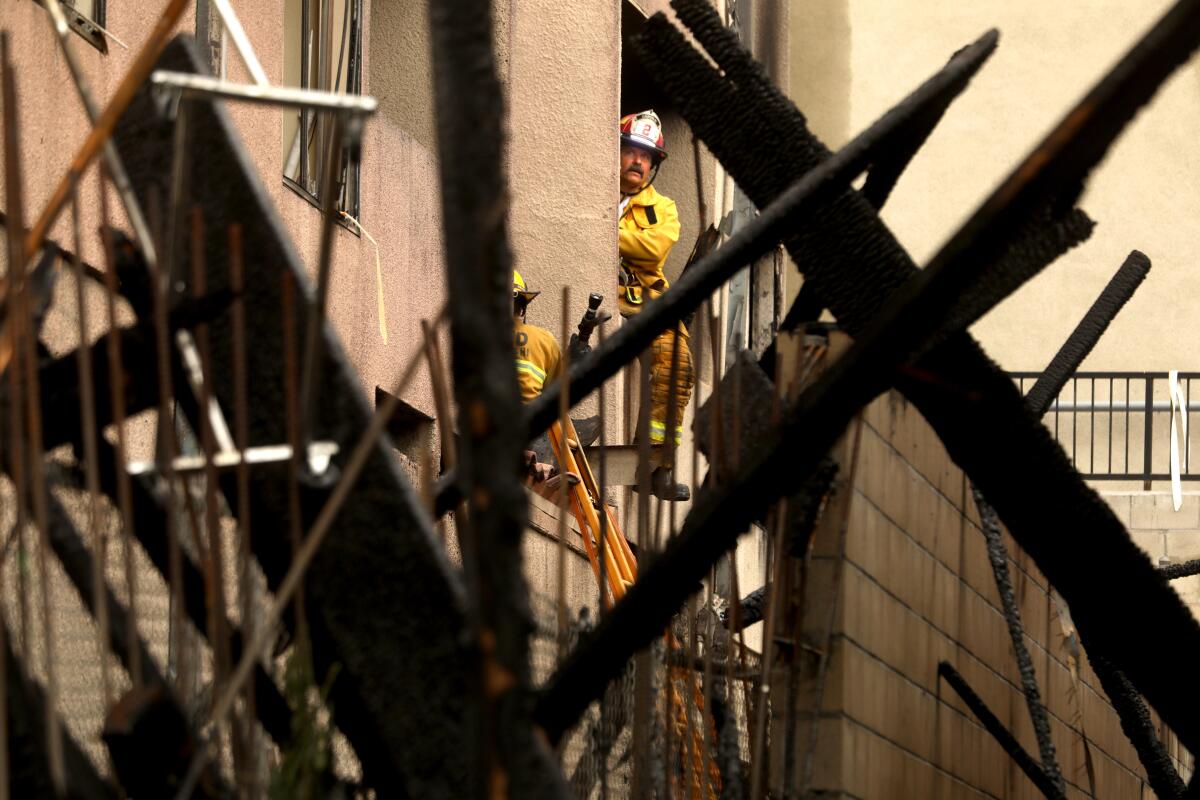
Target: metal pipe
1148, 456
202, 86
1101, 407
233, 26
318, 452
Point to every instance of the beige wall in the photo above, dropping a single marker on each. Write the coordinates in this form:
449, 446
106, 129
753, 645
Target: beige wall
1049, 54
563, 82
819, 66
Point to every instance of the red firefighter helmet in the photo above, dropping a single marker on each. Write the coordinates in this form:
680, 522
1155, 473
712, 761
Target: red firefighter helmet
644, 130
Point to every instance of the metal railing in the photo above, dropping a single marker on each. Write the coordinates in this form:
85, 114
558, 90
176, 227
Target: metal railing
1116, 426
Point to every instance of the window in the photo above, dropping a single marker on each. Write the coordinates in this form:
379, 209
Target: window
86, 17
322, 50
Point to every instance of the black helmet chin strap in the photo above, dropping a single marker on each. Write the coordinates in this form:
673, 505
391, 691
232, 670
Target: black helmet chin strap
654, 174
646, 185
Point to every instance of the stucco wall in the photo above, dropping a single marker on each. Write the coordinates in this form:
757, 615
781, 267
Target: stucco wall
563, 79
401, 73
53, 121
819, 66
1143, 195
399, 180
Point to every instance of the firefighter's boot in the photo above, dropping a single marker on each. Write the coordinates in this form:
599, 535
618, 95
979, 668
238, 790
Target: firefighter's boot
664, 487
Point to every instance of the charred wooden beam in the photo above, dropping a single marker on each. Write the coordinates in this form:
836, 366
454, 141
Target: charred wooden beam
60, 376
855, 264
1139, 728
1129, 706
992, 724
753, 609
890, 165
470, 114
1087, 333
150, 743
997, 553
1176, 571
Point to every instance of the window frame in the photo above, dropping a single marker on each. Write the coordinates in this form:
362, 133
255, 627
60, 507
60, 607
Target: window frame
90, 29
353, 159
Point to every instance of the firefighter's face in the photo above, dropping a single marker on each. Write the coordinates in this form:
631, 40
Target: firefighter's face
636, 164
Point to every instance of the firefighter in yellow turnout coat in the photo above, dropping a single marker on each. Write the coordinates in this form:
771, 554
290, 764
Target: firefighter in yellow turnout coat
539, 357
539, 361
648, 227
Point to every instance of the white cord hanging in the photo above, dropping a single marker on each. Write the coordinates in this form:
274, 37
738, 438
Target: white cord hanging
378, 277
1179, 412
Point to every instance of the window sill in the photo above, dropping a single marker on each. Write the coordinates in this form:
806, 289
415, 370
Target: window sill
312, 201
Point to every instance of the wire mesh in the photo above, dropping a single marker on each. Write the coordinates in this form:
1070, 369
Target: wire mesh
598, 755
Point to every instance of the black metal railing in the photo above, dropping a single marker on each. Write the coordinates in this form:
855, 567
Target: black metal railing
1116, 426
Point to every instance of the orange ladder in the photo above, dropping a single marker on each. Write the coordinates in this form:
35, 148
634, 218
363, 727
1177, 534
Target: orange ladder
620, 571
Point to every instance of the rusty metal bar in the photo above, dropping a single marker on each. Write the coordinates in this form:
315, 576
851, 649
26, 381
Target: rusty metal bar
20, 329
1138, 726
87, 412
117, 401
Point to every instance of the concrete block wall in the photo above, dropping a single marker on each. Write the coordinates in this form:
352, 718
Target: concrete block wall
913, 587
1168, 536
